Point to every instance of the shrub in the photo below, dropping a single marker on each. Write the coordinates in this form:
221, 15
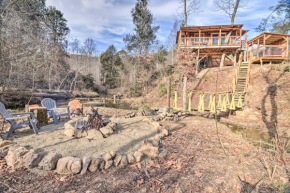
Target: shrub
287, 69
162, 89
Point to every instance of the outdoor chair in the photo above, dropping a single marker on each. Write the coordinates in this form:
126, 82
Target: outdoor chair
18, 120
52, 110
75, 108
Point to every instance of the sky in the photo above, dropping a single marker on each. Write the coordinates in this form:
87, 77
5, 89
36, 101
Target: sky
108, 21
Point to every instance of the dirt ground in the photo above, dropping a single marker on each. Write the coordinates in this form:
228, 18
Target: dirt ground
193, 159
129, 137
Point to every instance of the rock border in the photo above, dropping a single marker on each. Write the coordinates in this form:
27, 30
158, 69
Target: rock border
20, 157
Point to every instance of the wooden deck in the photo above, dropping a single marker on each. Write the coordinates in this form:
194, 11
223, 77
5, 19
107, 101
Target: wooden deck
268, 47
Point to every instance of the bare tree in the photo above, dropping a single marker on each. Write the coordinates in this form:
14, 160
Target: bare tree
230, 7
187, 8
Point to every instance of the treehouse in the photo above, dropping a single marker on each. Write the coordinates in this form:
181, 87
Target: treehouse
211, 45
268, 47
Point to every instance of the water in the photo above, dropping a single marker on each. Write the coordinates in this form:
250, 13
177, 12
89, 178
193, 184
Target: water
257, 137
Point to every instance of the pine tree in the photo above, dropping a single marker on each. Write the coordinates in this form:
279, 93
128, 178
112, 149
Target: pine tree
145, 32
57, 25
110, 65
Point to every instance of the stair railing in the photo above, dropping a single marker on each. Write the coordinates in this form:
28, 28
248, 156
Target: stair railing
237, 70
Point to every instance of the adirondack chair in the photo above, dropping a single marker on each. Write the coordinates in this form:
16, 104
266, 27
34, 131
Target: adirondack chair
28, 119
52, 110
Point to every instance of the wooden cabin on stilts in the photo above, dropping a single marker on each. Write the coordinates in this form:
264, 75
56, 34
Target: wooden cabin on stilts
210, 46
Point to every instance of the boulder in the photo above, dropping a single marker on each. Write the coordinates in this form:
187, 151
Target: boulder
69, 165
86, 163
113, 154
14, 158
102, 165
159, 136
49, 161
149, 150
117, 160
95, 134
131, 159
108, 164
107, 156
138, 156
149, 112
124, 162
95, 164
4, 151
5, 143
32, 159
165, 132
152, 142
70, 128
107, 131
155, 124
113, 126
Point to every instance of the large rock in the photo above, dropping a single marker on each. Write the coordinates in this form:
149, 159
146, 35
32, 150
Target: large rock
70, 129
14, 158
138, 156
155, 124
124, 161
95, 164
69, 165
107, 156
4, 143
95, 134
49, 161
149, 150
117, 160
131, 159
86, 163
107, 131
108, 164
113, 126
4, 151
32, 159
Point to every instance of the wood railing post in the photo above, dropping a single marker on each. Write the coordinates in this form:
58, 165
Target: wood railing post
175, 99
189, 100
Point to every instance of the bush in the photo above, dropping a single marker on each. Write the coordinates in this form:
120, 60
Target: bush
287, 69
162, 89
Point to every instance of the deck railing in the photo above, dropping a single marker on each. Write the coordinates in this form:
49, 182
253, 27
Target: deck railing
269, 51
210, 41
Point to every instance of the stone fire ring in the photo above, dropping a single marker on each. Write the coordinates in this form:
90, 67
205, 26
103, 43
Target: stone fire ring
18, 157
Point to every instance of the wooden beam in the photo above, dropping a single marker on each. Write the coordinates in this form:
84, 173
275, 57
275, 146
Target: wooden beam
220, 40
264, 45
202, 58
267, 37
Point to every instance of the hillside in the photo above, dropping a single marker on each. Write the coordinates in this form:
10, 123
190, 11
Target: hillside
268, 98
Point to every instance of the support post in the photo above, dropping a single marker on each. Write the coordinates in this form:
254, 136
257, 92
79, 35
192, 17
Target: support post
235, 59
222, 60
168, 95
184, 93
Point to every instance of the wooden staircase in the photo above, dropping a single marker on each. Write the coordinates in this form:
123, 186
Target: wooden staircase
241, 81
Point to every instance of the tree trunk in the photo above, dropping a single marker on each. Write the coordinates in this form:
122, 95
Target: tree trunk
235, 12
185, 13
